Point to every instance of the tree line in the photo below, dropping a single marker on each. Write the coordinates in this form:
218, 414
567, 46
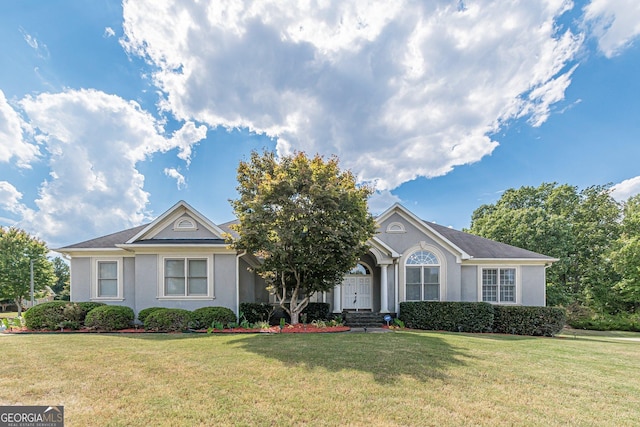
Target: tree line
595, 238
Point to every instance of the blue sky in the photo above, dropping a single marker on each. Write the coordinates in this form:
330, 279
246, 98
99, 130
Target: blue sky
111, 112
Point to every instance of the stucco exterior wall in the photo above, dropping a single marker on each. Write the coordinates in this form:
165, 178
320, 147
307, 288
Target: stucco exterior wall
533, 285
469, 283
80, 283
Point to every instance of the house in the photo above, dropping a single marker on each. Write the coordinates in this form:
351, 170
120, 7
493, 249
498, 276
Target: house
181, 260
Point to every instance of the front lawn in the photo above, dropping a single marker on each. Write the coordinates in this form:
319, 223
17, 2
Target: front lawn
8, 314
397, 378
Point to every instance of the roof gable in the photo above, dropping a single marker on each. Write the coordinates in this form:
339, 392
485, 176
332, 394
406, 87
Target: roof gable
180, 222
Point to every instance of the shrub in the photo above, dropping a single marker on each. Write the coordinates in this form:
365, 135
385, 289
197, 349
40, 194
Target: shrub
205, 317
607, 322
47, 315
447, 316
520, 320
54, 314
142, 315
169, 320
255, 312
110, 318
316, 311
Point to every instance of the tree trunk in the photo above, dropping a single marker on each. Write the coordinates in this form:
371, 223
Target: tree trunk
18, 302
294, 317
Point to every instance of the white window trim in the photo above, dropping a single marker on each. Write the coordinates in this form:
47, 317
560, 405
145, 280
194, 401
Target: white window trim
210, 282
442, 264
178, 227
395, 228
518, 300
95, 296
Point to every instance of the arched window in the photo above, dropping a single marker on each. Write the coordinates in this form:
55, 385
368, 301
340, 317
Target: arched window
422, 278
360, 269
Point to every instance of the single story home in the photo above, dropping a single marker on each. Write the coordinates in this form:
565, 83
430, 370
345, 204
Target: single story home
181, 260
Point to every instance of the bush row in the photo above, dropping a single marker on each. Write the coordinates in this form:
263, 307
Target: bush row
482, 317
75, 315
58, 314
176, 319
607, 322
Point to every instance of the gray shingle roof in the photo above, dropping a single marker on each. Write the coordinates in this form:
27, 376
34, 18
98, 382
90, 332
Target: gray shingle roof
108, 241
479, 247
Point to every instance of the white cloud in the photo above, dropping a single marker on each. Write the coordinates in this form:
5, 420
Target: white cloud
41, 49
10, 197
108, 32
397, 89
12, 143
380, 201
94, 141
615, 24
625, 189
173, 173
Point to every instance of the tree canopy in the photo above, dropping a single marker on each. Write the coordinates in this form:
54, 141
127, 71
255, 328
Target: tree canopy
577, 227
17, 250
305, 218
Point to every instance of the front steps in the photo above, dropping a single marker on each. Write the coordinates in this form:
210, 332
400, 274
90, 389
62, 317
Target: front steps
363, 319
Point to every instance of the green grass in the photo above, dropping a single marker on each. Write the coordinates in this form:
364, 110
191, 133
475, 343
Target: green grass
392, 379
8, 314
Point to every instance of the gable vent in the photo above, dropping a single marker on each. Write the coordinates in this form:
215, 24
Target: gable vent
184, 224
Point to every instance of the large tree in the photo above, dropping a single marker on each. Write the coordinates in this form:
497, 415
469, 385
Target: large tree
63, 276
577, 227
305, 218
17, 250
626, 255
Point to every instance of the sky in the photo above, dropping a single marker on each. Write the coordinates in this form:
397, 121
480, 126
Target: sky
111, 112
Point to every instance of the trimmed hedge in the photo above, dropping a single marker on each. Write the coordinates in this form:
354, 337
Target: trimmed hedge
54, 314
482, 317
205, 317
447, 316
520, 320
256, 311
110, 318
142, 315
316, 311
169, 320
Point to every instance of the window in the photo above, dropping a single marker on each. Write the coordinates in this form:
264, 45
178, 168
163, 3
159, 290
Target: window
499, 285
107, 279
359, 269
185, 277
422, 278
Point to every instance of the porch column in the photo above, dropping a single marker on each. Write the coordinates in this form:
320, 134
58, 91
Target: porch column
384, 292
337, 307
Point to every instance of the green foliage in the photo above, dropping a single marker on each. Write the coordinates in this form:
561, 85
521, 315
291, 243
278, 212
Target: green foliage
50, 315
584, 318
482, 317
305, 218
17, 250
577, 227
110, 318
169, 320
399, 323
447, 316
316, 311
208, 316
521, 320
626, 255
256, 311
142, 314
63, 276
45, 316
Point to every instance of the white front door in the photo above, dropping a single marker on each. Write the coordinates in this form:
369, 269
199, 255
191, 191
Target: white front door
356, 292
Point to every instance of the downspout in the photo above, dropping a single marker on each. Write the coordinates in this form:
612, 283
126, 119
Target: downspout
238, 281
